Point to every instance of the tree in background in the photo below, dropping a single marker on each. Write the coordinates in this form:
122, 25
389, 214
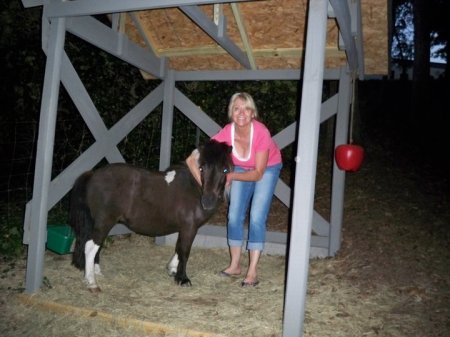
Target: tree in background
417, 25
420, 26
421, 63
402, 49
440, 31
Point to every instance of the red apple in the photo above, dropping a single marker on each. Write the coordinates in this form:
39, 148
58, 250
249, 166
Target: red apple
349, 157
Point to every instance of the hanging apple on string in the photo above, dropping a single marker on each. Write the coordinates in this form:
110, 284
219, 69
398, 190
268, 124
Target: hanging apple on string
349, 157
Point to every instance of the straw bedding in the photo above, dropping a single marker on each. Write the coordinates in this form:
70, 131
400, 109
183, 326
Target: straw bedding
390, 278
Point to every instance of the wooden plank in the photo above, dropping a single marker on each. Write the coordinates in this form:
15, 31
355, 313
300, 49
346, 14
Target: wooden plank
244, 36
265, 52
124, 322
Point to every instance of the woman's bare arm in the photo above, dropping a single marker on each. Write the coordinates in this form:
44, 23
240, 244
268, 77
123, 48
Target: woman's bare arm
252, 175
192, 163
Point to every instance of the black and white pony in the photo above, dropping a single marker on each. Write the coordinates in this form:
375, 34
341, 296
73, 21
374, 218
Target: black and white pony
148, 203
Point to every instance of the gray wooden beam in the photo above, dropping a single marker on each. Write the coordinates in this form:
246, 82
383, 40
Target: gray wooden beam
86, 107
103, 146
205, 23
44, 156
62, 184
344, 21
355, 9
115, 43
195, 114
215, 236
338, 179
249, 75
305, 171
148, 43
287, 136
32, 3
89, 7
167, 122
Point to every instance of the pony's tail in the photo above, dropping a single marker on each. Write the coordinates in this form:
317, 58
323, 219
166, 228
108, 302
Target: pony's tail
80, 218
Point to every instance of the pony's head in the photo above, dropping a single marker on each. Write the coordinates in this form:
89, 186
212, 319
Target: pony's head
215, 163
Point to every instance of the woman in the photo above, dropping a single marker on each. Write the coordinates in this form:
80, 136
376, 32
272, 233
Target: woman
257, 164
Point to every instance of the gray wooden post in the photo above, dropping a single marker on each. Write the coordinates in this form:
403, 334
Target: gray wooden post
305, 171
166, 130
167, 121
338, 180
44, 156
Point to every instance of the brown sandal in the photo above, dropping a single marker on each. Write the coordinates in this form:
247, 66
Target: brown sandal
223, 273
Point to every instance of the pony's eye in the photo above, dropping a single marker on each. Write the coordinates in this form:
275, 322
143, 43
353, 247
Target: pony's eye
200, 169
225, 170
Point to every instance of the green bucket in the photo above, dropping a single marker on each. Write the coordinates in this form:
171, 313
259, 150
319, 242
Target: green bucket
60, 238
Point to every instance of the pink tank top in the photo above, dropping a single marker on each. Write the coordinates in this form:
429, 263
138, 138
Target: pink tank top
260, 140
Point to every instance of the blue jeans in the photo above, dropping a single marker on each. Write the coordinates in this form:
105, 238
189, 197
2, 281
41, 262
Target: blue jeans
257, 194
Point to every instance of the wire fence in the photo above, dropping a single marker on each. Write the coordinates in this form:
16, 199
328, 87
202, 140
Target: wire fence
141, 147
72, 137
17, 165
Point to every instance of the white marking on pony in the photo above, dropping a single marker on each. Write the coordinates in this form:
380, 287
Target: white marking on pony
172, 266
170, 176
90, 250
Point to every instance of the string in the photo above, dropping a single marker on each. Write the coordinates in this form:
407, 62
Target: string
352, 109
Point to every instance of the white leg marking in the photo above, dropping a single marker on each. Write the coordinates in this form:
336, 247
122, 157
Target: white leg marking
172, 266
170, 176
90, 249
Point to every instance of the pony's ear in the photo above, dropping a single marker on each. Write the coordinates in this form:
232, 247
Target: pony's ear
227, 148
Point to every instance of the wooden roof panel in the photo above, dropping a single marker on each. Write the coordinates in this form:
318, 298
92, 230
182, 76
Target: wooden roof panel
275, 24
275, 31
375, 36
170, 28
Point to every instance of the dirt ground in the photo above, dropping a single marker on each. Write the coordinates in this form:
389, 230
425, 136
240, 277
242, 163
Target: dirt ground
391, 276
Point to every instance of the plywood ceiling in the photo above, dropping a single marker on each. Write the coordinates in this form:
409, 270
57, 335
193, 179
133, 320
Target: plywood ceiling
270, 32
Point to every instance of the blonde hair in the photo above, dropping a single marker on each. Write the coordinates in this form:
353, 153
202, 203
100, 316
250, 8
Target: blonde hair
249, 103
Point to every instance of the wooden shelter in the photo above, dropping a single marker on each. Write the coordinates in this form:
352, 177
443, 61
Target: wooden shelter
198, 40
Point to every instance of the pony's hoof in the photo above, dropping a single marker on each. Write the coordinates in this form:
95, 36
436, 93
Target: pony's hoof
184, 283
95, 290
